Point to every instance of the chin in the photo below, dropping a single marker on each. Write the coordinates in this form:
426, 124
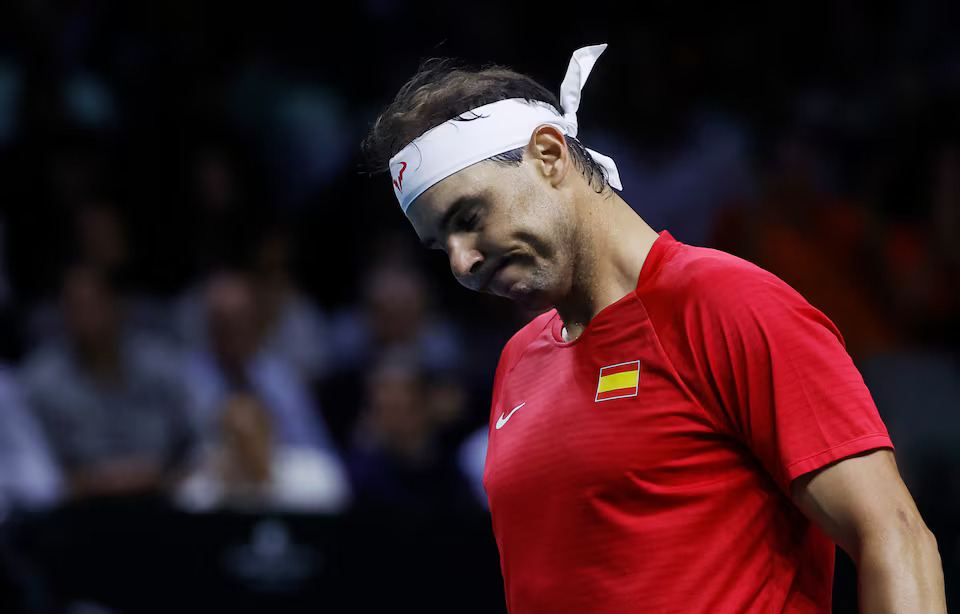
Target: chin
532, 300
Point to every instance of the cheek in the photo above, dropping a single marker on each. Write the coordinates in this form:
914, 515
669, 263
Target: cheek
544, 228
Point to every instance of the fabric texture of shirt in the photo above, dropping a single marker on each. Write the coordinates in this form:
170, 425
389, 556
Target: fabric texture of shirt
646, 466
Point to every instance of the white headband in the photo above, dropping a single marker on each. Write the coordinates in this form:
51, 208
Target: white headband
492, 129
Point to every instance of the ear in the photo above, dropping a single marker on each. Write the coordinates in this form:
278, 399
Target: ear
548, 149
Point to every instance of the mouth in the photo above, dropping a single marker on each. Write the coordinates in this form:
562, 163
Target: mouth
491, 275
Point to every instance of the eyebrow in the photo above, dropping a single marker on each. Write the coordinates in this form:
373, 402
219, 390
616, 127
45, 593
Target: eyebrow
458, 205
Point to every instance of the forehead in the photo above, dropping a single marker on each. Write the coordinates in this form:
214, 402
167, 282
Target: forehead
480, 179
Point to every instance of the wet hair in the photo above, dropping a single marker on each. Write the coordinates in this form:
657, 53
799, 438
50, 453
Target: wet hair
441, 90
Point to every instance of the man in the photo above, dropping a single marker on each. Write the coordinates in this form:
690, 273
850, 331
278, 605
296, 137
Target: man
683, 432
109, 399
233, 359
395, 456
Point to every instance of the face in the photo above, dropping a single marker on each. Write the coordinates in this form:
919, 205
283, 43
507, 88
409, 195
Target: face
90, 310
507, 230
101, 235
273, 256
397, 407
396, 302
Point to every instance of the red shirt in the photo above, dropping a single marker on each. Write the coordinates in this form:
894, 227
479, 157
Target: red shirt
646, 466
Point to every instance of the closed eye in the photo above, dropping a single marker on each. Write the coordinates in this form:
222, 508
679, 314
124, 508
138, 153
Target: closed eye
469, 219
469, 223
464, 215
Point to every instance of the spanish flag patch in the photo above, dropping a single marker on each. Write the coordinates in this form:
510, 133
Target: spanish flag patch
618, 381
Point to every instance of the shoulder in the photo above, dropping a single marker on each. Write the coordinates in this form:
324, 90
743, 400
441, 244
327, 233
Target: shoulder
44, 367
704, 278
708, 298
11, 396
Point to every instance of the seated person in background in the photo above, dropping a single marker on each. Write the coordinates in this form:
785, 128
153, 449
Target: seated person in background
395, 460
248, 469
395, 314
111, 402
233, 359
294, 327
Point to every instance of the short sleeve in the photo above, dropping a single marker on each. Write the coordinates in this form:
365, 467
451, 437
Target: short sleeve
778, 369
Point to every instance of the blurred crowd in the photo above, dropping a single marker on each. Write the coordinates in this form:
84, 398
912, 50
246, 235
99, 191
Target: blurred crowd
239, 391
203, 299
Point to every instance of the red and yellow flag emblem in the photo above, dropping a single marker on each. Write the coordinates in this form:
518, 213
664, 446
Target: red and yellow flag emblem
618, 381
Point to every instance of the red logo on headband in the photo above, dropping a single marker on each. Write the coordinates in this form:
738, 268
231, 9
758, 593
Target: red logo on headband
399, 180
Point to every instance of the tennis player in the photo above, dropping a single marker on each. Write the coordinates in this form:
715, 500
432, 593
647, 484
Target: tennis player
681, 431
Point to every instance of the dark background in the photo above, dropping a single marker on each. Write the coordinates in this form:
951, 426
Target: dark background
820, 140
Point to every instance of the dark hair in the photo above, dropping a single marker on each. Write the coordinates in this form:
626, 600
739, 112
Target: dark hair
441, 90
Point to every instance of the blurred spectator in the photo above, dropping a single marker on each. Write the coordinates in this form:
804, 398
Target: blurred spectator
110, 400
99, 239
233, 359
472, 457
46, 179
28, 473
102, 240
396, 460
814, 240
920, 287
295, 327
395, 314
683, 183
920, 260
248, 469
220, 200
148, 140
682, 158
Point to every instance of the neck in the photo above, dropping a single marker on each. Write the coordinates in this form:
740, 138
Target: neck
613, 244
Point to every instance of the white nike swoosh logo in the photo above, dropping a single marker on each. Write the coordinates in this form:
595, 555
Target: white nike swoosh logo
501, 421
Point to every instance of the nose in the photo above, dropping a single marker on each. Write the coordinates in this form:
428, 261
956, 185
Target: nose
465, 259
